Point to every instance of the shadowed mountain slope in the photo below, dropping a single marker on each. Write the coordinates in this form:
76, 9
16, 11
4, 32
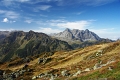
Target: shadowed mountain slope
3, 34
23, 44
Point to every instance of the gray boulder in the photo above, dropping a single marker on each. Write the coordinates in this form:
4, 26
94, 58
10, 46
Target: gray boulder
96, 66
65, 73
77, 73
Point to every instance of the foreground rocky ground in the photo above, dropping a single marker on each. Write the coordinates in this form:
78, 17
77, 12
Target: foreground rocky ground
98, 62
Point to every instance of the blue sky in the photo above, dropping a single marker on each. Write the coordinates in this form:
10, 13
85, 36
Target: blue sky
53, 16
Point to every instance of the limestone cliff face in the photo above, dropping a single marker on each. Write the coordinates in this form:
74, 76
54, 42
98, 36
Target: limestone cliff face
75, 34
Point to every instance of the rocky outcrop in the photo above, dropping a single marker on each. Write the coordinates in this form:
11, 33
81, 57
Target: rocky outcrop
77, 35
43, 60
65, 73
14, 75
77, 73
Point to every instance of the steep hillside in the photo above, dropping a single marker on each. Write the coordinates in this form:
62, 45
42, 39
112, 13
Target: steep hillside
23, 44
3, 34
97, 62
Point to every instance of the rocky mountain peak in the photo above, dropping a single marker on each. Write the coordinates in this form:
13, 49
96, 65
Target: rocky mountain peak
76, 34
31, 32
67, 29
86, 30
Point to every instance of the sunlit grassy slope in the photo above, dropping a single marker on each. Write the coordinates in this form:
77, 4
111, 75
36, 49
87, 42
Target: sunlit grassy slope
74, 60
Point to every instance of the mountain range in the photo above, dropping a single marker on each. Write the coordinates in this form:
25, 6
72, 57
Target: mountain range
23, 44
76, 35
80, 38
37, 56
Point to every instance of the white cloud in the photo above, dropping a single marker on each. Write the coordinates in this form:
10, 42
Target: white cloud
10, 2
61, 24
12, 21
5, 20
22, 0
44, 7
73, 25
47, 30
57, 21
41, 7
9, 14
99, 2
7, 29
61, 2
84, 2
43, 15
78, 13
28, 21
6, 2
110, 33
2, 11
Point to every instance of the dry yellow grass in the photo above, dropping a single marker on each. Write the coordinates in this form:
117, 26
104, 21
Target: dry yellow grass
75, 58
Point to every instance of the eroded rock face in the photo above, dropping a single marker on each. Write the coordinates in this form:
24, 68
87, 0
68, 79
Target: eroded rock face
75, 34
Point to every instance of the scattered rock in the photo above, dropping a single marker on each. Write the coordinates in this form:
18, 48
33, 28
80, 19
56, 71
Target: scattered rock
52, 77
110, 62
25, 66
34, 77
43, 60
100, 51
110, 68
40, 60
87, 69
77, 73
65, 73
97, 65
